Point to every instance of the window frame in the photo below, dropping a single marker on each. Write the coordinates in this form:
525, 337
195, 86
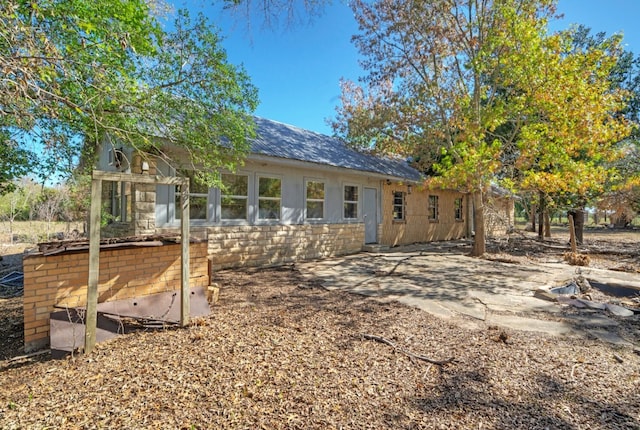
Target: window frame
433, 210
307, 181
209, 211
260, 220
351, 202
244, 197
120, 201
402, 206
458, 212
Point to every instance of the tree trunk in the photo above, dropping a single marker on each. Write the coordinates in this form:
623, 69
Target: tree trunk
532, 217
541, 210
578, 222
572, 234
547, 224
540, 225
478, 223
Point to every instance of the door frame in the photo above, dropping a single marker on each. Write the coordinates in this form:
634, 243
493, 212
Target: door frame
370, 211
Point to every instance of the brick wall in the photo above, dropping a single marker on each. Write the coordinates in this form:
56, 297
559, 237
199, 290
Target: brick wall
236, 246
61, 280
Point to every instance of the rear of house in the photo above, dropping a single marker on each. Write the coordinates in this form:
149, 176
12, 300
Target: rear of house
300, 195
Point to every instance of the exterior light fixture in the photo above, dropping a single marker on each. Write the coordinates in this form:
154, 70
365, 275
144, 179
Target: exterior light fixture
409, 188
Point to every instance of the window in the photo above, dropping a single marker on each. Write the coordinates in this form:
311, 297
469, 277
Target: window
234, 196
433, 208
398, 206
350, 202
198, 198
457, 205
269, 192
120, 200
315, 200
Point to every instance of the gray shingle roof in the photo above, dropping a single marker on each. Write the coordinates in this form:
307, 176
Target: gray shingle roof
275, 139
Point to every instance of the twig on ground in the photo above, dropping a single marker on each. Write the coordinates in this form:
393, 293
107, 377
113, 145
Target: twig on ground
30, 355
406, 352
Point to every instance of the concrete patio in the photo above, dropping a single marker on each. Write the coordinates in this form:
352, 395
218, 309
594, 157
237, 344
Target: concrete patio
440, 279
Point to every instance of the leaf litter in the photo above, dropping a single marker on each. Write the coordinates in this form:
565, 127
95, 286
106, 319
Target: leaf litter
279, 352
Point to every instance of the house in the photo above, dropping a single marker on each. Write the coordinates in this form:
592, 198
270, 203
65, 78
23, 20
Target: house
299, 195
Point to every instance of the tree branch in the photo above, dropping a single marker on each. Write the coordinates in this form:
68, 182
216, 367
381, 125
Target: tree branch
406, 352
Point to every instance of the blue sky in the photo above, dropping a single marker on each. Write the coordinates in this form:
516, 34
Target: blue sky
297, 70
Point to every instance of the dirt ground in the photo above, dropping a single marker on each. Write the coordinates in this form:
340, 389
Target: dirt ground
279, 351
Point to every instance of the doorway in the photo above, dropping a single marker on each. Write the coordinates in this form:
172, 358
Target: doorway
370, 215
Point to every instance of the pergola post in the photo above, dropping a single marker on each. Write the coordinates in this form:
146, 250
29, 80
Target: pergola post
91, 316
184, 224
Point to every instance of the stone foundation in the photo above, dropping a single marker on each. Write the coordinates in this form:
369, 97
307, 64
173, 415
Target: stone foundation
240, 246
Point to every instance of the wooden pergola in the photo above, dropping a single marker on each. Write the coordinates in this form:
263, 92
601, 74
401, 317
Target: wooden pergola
98, 176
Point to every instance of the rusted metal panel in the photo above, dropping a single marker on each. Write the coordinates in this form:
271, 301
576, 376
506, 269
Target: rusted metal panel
67, 328
67, 331
164, 307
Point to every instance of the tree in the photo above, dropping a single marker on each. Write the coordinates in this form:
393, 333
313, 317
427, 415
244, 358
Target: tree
621, 191
468, 87
571, 126
273, 13
433, 85
16, 204
49, 206
15, 162
77, 71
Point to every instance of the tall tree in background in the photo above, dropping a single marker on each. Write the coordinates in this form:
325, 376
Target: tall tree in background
571, 122
461, 84
75, 71
622, 191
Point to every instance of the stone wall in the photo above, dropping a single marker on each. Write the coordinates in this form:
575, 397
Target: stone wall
61, 280
141, 210
143, 199
271, 245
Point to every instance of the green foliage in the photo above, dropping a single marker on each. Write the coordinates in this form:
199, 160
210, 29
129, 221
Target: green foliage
76, 71
14, 162
434, 88
479, 90
17, 204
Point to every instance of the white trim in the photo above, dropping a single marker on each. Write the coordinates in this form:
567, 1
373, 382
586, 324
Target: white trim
357, 202
403, 204
259, 220
324, 199
232, 221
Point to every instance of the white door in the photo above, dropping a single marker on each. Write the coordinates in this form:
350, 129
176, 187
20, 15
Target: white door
370, 215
